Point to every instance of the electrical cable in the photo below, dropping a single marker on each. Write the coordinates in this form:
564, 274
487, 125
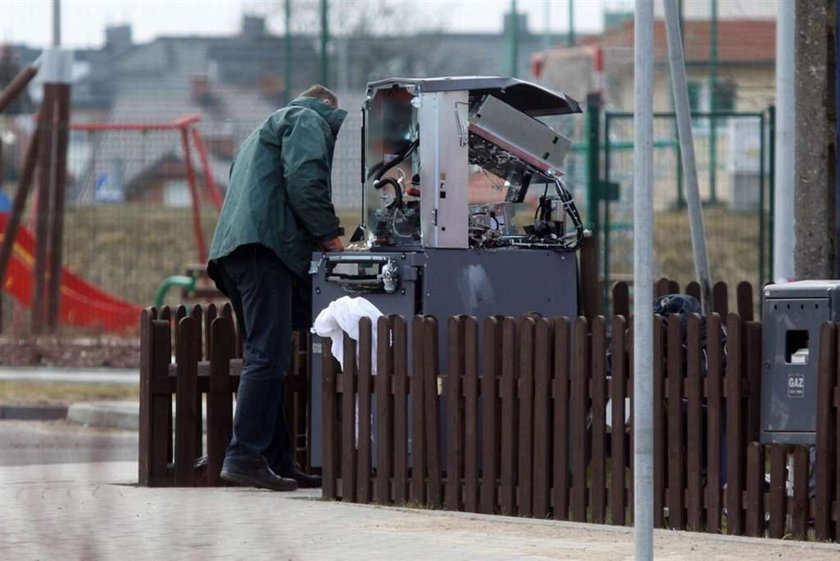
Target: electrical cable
379, 170
398, 195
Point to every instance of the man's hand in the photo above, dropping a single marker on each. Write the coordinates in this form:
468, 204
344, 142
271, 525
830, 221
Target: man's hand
334, 244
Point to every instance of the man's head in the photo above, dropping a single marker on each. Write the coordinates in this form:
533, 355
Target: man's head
322, 94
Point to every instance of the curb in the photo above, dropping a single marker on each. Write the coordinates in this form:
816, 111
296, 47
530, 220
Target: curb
111, 414
108, 414
33, 412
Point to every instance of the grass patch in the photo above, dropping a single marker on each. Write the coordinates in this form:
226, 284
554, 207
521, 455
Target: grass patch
12, 392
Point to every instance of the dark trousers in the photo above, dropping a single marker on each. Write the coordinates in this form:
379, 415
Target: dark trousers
260, 289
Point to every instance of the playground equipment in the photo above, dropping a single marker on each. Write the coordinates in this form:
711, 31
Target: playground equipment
31, 265
81, 304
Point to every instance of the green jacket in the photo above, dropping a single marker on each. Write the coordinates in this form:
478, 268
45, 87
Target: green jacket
279, 190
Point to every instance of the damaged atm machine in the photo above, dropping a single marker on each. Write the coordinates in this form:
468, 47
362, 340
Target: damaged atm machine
465, 209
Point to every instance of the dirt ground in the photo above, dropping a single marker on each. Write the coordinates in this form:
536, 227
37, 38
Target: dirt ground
75, 352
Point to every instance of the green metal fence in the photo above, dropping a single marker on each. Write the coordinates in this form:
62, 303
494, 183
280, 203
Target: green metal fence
735, 171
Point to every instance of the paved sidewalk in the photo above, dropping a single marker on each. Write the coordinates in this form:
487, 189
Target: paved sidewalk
92, 511
110, 376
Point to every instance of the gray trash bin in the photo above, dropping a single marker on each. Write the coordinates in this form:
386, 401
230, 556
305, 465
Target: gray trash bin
792, 316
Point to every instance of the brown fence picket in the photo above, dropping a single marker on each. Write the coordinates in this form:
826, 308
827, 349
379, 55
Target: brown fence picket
660, 423
471, 442
621, 299
145, 427
432, 413
777, 498
755, 490
400, 408
348, 421
714, 391
598, 382
491, 368
662, 287
525, 353
186, 417
618, 450
752, 368
799, 513
508, 419
384, 423
329, 421
744, 297
417, 485
454, 410
179, 314
735, 443
676, 455
219, 402
162, 405
197, 314
673, 287
363, 380
720, 295
210, 313
694, 428
580, 400
836, 498
560, 408
826, 437
836, 393
542, 420
591, 289
693, 289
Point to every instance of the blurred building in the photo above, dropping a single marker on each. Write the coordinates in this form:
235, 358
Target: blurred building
234, 83
745, 64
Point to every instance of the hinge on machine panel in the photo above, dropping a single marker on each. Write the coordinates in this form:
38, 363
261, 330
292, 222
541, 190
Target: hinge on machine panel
435, 217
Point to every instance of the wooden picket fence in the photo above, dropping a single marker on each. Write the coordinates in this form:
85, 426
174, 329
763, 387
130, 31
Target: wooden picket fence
516, 423
526, 416
204, 376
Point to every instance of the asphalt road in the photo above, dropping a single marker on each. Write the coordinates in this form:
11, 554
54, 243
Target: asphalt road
56, 442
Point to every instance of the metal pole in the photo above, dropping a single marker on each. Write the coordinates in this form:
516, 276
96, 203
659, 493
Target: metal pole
56, 23
689, 163
287, 52
784, 231
713, 86
546, 42
570, 38
593, 160
325, 38
513, 40
762, 176
643, 83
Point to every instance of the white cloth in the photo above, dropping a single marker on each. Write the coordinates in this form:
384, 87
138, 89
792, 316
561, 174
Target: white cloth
342, 316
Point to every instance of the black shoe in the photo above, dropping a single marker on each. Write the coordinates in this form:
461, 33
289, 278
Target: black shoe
257, 476
304, 480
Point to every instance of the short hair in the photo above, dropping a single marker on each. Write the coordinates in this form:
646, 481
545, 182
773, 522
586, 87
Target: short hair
321, 93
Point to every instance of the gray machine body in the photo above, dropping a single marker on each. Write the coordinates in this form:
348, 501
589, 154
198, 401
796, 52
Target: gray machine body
792, 314
447, 282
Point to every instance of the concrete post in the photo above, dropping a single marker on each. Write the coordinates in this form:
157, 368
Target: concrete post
643, 80
813, 207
